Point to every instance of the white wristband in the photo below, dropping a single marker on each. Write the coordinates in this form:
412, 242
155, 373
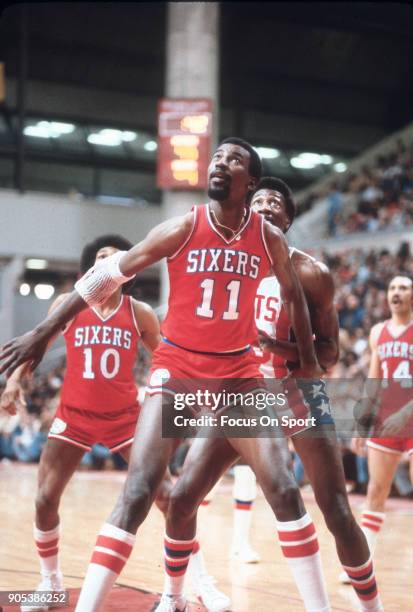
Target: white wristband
102, 280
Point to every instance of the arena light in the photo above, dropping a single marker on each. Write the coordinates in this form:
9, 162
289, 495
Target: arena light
340, 167
302, 163
24, 289
48, 129
267, 152
151, 145
36, 264
128, 136
326, 159
36, 131
57, 126
43, 292
106, 138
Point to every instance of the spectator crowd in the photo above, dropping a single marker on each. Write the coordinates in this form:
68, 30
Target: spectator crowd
376, 198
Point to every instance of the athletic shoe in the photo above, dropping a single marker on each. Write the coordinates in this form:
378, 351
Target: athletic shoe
344, 578
169, 603
245, 554
208, 594
51, 583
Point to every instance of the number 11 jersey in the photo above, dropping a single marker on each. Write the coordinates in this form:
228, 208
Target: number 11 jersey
101, 354
213, 283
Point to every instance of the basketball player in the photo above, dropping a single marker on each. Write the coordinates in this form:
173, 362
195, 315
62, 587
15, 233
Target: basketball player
318, 450
98, 404
217, 256
391, 344
320, 455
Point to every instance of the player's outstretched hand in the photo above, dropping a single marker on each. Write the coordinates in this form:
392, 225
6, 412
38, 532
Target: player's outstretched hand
29, 347
394, 423
12, 397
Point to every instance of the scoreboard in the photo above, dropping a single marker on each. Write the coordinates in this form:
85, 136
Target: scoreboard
184, 143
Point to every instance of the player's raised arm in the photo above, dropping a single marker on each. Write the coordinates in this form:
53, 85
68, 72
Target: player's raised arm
103, 279
293, 297
318, 287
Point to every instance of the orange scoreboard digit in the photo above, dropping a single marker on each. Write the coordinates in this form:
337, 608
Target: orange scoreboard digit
184, 139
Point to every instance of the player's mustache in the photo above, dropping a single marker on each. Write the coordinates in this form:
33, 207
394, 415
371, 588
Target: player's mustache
220, 174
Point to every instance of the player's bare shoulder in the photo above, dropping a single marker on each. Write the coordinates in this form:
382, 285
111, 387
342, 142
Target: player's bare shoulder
183, 224
145, 316
275, 241
142, 309
315, 276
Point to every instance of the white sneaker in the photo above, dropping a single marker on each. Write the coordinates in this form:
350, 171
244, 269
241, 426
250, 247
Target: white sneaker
245, 554
52, 583
208, 594
169, 603
344, 578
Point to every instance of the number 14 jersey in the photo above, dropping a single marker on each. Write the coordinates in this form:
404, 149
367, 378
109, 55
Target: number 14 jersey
101, 354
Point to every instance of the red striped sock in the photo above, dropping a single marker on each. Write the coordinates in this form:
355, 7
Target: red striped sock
371, 524
177, 555
47, 544
299, 544
112, 550
364, 583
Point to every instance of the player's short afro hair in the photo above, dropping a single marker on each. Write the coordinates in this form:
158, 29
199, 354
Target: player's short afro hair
255, 167
88, 256
277, 184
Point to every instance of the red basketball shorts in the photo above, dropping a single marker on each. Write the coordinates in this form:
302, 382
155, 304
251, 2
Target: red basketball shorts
392, 445
176, 370
82, 428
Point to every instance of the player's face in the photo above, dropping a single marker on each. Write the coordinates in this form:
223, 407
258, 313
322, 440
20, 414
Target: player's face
400, 295
105, 252
228, 173
271, 205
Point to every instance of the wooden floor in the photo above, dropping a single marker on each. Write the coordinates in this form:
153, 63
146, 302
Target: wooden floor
266, 586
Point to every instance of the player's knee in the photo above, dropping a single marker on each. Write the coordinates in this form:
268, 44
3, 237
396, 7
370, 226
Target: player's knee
181, 503
283, 497
46, 500
162, 499
338, 516
377, 492
137, 497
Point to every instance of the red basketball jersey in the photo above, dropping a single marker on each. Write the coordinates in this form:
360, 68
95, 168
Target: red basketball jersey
213, 283
395, 353
101, 353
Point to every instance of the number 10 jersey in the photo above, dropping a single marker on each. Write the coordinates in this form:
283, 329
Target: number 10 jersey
101, 354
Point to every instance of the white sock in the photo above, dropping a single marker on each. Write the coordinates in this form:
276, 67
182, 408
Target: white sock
299, 544
47, 544
244, 493
196, 565
177, 555
364, 583
112, 550
371, 523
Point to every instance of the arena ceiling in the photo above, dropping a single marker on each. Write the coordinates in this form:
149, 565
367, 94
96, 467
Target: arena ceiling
340, 74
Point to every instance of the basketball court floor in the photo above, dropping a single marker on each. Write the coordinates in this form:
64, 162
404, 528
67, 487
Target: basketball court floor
266, 586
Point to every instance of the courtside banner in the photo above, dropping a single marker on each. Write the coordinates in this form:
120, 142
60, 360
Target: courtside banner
249, 408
